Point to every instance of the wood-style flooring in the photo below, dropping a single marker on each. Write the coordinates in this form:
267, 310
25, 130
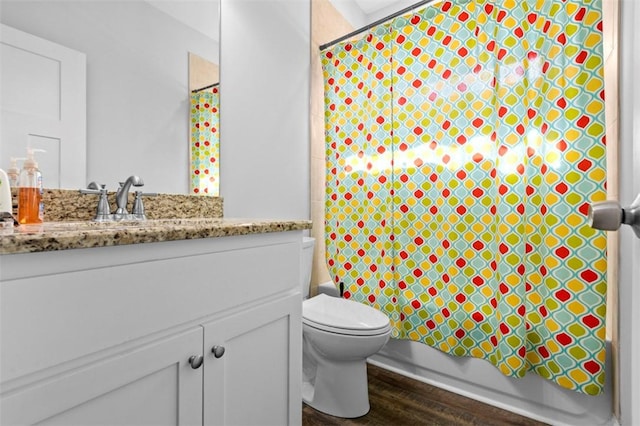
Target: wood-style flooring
397, 400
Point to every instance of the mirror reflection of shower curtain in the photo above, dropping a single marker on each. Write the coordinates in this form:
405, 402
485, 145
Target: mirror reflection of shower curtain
205, 142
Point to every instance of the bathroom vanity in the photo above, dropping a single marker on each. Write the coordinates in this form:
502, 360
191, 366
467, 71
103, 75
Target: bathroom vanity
168, 322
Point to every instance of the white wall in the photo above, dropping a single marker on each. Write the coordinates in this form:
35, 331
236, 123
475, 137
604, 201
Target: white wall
629, 292
137, 83
264, 111
351, 12
390, 9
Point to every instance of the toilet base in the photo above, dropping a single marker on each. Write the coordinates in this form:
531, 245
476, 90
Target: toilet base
340, 389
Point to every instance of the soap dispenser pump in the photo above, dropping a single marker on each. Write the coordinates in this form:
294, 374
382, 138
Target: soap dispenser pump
30, 205
13, 172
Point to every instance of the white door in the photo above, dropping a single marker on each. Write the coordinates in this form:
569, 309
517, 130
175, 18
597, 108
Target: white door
629, 278
43, 104
152, 385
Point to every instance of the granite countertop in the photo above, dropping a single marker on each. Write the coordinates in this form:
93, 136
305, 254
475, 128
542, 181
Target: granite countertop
52, 236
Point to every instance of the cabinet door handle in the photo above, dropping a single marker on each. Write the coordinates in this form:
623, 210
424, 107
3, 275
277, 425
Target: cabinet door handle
217, 351
196, 361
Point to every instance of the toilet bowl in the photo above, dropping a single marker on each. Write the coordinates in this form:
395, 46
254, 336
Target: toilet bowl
338, 336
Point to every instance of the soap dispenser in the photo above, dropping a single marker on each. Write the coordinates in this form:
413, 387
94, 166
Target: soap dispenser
30, 205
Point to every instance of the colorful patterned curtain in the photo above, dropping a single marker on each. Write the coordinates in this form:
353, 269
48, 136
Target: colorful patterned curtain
464, 144
205, 141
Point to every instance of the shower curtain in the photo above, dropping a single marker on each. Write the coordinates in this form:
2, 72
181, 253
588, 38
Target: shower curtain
205, 141
464, 145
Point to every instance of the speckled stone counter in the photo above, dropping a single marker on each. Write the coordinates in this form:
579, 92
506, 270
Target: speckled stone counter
52, 236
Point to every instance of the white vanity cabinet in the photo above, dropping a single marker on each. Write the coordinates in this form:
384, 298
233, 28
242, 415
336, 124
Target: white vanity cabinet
107, 335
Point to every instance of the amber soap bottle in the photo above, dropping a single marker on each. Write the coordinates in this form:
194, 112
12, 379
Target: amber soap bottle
30, 205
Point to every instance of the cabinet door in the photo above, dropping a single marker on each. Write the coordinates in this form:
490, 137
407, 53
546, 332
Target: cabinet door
151, 385
257, 379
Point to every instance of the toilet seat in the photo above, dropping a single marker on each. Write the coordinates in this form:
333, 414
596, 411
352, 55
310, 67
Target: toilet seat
341, 316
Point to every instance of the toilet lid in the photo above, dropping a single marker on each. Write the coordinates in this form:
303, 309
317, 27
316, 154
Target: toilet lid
343, 316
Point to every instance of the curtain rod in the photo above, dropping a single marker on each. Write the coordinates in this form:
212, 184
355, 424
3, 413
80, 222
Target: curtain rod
378, 22
205, 87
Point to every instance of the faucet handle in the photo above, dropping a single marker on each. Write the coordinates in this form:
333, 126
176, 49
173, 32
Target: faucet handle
138, 206
92, 188
103, 210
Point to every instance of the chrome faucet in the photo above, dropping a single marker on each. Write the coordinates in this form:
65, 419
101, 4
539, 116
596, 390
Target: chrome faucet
122, 195
103, 213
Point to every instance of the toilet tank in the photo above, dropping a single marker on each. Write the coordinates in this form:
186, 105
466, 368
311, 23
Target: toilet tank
306, 265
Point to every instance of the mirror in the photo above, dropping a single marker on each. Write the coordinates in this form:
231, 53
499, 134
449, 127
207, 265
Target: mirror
137, 82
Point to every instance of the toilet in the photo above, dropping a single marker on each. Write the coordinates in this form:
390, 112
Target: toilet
338, 336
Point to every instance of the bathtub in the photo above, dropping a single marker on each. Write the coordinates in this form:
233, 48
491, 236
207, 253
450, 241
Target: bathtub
531, 396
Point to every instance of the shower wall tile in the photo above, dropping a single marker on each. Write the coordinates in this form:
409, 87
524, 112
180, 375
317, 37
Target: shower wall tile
610, 27
317, 85
327, 24
317, 138
202, 72
320, 273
